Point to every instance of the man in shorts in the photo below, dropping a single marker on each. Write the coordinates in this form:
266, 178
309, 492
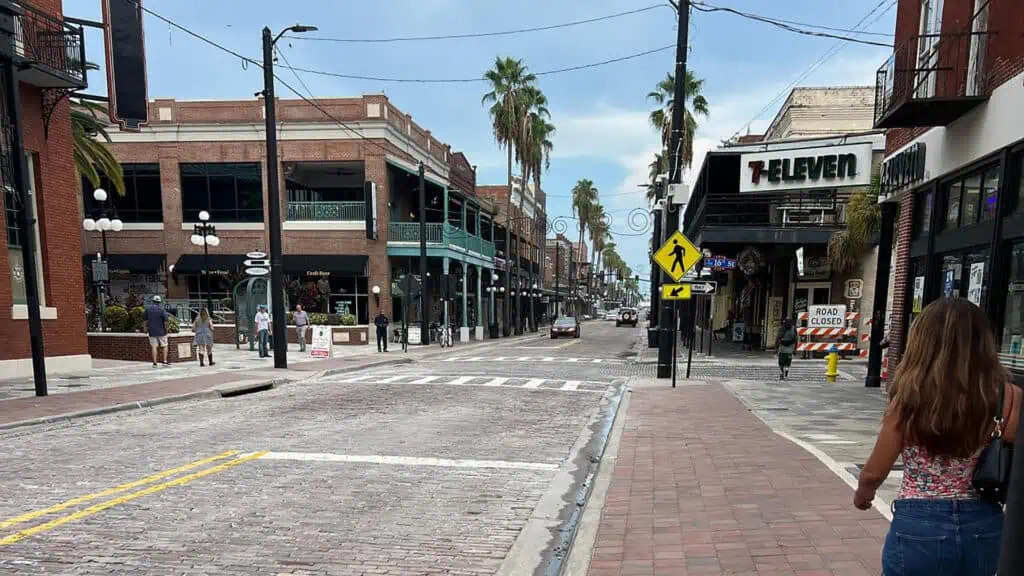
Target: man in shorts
156, 326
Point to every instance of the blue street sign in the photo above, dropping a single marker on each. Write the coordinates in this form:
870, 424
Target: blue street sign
720, 263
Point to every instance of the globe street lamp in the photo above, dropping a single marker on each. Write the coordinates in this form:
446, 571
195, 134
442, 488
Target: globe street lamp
101, 222
205, 234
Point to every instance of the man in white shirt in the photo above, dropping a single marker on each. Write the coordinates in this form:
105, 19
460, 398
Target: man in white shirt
263, 331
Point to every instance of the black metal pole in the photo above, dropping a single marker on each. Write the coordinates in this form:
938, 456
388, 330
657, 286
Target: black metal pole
692, 321
675, 349
558, 271
280, 331
880, 302
711, 324
16, 152
206, 272
424, 291
1011, 559
652, 325
667, 321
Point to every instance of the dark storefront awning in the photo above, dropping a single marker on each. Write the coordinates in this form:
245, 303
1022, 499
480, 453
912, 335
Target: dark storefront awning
344, 264
196, 263
138, 263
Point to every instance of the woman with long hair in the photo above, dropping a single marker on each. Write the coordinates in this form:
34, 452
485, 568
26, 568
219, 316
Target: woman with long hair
941, 415
203, 328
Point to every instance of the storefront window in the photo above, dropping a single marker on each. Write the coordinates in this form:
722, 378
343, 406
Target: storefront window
971, 200
229, 192
952, 266
976, 268
917, 288
212, 286
953, 205
330, 294
141, 201
990, 195
923, 214
1012, 342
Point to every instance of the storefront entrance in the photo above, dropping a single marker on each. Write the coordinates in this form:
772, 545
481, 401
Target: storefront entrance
805, 294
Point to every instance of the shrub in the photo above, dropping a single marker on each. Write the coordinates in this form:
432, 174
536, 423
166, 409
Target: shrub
318, 319
115, 319
173, 326
137, 319
348, 320
333, 319
289, 318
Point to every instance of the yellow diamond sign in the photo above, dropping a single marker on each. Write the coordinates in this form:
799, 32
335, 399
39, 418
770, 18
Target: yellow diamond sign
677, 255
676, 291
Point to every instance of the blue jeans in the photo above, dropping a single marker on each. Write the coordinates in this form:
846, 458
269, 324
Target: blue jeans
943, 538
263, 337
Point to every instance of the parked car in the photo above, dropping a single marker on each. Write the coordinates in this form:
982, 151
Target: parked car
565, 326
626, 316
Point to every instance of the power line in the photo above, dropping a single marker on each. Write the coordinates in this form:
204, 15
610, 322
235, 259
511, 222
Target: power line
477, 34
480, 79
824, 57
796, 27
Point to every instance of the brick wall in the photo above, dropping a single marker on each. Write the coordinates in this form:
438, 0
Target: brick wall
136, 348
901, 274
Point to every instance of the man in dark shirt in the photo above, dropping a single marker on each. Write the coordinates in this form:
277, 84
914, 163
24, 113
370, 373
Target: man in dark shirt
156, 326
381, 321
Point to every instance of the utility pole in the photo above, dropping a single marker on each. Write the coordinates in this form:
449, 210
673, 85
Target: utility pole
424, 291
652, 326
280, 330
26, 219
667, 322
558, 270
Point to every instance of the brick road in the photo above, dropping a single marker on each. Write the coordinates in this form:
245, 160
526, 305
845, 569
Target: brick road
701, 486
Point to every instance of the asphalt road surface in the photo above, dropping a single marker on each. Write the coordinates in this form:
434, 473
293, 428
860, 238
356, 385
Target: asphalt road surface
464, 465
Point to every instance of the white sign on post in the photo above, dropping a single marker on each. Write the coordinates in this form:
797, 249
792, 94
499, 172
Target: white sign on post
975, 281
321, 346
827, 316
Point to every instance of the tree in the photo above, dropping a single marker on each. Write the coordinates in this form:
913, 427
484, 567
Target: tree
661, 118
863, 217
599, 234
531, 112
584, 197
89, 137
656, 167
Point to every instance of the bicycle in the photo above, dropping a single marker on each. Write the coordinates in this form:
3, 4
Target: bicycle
443, 335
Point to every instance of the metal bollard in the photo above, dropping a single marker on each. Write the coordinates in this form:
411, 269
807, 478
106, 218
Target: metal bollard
832, 365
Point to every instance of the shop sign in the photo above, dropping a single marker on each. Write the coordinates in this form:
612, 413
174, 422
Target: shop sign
903, 169
827, 316
975, 281
948, 283
854, 289
829, 166
918, 295
739, 331
321, 345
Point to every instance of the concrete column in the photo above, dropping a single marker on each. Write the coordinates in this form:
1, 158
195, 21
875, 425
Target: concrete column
479, 328
464, 330
445, 264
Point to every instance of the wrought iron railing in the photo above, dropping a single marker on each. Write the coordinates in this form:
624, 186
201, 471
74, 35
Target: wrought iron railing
45, 40
441, 234
326, 211
941, 66
804, 209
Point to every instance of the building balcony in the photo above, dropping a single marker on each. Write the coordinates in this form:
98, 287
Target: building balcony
326, 212
932, 80
50, 52
798, 217
405, 237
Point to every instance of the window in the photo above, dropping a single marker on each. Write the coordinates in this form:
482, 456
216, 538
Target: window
1012, 342
331, 294
971, 200
229, 192
15, 248
990, 194
141, 201
953, 205
219, 286
918, 268
952, 267
923, 214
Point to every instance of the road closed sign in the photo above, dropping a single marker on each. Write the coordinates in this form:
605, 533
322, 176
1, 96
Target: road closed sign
828, 316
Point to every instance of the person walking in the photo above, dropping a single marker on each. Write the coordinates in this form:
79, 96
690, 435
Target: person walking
785, 345
301, 324
156, 327
381, 322
263, 330
203, 329
949, 398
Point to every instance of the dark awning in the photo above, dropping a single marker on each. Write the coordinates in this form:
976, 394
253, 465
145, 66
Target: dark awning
347, 264
139, 263
196, 263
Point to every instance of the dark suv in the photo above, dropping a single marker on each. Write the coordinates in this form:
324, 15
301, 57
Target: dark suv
626, 316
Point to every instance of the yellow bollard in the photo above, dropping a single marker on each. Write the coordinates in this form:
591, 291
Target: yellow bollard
832, 366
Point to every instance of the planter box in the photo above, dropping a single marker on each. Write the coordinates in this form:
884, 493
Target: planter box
350, 335
340, 335
135, 347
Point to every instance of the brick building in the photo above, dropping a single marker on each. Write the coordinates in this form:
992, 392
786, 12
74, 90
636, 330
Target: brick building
210, 155
557, 251
950, 97
47, 70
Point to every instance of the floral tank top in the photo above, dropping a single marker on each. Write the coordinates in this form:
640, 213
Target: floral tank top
930, 476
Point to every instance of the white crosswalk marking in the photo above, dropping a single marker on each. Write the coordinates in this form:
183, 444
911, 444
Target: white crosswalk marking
597, 360
361, 378
497, 381
571, 385
385, 380
461, 380
533, 383
548, 359
573, 359
510, 382
523, 359
425, 380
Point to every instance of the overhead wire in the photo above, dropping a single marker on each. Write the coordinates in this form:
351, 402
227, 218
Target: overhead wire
789, 25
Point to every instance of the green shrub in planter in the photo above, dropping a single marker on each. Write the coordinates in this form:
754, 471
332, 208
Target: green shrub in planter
137, 319
115, 319
289, 318
318, 319
173, 326
348, 320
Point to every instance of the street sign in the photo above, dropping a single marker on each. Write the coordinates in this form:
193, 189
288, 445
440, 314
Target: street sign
677, 256
703, 288
854, 289
257, 271
99, 271
719, 263
827, 316
258, 263
676, 291
256, 255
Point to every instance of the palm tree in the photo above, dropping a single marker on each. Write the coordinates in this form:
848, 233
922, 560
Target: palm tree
584, 197
656, 167
508, 79
532, 110
599, 234
661, 118
92, 157
863, 217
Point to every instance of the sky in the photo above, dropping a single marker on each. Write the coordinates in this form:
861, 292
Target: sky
600, 114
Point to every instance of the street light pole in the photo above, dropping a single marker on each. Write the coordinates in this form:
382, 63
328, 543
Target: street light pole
424, 290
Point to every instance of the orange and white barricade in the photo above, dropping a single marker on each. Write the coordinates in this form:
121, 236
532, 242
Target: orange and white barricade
821, 340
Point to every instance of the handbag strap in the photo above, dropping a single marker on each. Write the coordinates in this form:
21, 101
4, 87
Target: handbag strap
1000, 422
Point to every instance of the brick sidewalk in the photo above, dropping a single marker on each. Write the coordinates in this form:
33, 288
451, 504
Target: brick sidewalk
701, 486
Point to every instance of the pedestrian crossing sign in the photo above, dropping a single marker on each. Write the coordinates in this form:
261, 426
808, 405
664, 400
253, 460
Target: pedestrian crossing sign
677, 256
676, 291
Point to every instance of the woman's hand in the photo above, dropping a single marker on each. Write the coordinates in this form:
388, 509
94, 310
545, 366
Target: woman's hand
863, 498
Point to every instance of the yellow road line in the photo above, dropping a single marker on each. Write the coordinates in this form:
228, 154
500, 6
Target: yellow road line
111, 491
17, 536
570, 343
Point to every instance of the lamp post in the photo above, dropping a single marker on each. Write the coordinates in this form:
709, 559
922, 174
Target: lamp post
205, 234
104, 224
274, 194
